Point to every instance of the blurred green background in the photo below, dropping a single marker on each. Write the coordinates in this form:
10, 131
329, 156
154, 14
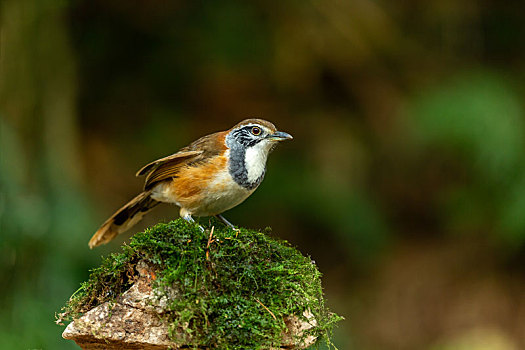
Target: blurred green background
405, 180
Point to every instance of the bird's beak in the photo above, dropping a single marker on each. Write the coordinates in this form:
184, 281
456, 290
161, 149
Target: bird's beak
279, 136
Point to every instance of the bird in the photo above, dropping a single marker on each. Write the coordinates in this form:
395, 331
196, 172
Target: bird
206, 178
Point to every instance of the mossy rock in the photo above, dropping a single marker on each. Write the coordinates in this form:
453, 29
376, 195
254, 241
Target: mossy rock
219, 288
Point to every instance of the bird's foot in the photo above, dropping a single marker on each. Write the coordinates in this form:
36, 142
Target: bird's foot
227, 223
189, 219
224, 221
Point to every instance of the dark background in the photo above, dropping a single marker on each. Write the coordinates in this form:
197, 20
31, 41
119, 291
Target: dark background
405, 180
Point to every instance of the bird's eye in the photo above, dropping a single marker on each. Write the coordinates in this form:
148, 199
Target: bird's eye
256, 131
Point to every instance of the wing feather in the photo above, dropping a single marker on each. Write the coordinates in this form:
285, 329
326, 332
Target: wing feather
195, 153
177, 157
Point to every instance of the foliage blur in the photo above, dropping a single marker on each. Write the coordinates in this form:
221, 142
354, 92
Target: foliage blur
405, 180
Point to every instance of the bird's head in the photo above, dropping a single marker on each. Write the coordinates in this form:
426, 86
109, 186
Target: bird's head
255, 133
250, 142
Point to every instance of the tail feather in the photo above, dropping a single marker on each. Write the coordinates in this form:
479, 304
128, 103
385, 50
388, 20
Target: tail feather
125, 218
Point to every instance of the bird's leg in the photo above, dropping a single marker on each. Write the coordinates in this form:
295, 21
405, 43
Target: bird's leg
227, 223
224, 221
189, 219
187, 216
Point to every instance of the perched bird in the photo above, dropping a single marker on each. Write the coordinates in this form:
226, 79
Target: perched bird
207, 177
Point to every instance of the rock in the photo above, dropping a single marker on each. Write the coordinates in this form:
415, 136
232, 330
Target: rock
134, 321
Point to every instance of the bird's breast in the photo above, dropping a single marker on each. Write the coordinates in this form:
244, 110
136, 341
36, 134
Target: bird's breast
221, 193
204, 190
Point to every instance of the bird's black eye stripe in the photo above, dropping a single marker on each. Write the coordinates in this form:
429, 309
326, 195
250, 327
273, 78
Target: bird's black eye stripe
256, 130
245, 136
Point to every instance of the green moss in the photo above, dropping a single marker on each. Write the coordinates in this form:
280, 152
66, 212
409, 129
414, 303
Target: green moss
226, 284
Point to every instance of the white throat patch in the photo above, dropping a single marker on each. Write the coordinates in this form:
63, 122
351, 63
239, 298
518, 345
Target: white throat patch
255, 159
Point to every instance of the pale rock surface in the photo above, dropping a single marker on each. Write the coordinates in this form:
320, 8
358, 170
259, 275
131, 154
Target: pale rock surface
134, 321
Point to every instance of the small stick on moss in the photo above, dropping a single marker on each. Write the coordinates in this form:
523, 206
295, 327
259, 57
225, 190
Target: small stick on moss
271, 313
208, 245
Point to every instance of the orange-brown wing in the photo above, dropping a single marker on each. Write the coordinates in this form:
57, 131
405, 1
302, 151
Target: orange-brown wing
177, 157
197, 152
166, 167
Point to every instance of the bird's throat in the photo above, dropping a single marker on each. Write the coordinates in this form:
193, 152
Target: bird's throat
247, 166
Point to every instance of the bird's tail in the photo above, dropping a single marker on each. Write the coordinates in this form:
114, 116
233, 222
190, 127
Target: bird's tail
125, 218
